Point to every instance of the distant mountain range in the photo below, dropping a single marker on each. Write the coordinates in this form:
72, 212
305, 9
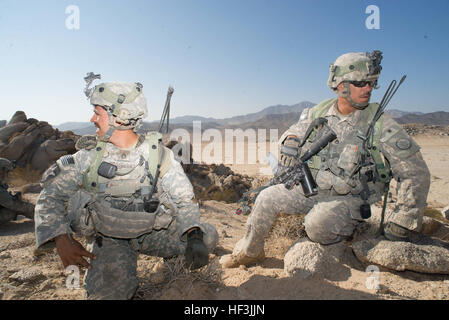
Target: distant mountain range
437, 118
278, 116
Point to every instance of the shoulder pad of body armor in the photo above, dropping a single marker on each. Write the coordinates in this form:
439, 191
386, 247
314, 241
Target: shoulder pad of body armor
399, 141
166, 160
322, 108
153, 135
87, 142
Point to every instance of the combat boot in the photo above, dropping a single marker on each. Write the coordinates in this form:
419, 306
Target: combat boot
394, 232
236, 260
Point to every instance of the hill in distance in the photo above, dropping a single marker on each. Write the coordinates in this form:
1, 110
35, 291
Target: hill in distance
278, 116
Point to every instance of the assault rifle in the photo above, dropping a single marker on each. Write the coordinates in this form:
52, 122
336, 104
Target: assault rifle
297, 174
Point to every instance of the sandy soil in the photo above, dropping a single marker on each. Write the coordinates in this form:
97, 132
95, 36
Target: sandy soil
27, 274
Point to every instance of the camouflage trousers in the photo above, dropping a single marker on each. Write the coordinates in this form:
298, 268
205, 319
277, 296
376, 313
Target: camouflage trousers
114, 273
329, 219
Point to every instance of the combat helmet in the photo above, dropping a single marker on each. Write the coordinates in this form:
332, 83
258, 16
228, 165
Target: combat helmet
355, 66
124, 102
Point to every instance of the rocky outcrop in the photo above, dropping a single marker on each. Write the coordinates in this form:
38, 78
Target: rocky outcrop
34, 143
212, 182
414, 129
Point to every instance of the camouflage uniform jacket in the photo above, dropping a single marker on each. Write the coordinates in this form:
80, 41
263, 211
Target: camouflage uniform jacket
407, 165
65, 178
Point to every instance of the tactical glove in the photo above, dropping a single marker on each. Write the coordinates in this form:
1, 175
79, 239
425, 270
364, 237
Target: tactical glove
394, 232
289, 151
196, 253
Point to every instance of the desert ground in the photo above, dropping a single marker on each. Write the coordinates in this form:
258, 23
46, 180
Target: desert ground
29, 274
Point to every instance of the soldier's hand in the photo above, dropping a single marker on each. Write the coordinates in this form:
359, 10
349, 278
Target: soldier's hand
196, 253
289, 151
72, 252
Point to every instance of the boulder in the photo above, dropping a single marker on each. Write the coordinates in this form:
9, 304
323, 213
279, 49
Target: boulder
222, 170
35, 143
211, 182
306, 258
19, 116
8, 131
401, 256
228, 182
50, 151
430, 226
2, 123
18, 145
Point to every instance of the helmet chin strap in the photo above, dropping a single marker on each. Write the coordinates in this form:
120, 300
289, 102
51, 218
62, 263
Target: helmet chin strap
346, 93
111, 129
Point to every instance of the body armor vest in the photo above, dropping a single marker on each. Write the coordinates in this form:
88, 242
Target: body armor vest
117, 188
340, 165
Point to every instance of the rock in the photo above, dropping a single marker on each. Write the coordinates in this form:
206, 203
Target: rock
2, 123
8, 131
211, 182
31, 188
19, 116
27, 275
306, 258
445, 212
158, 275
430, 225
33, 142
18, 145
222, 170
6, 215
401, 256
214, 179
228, 182
50, 151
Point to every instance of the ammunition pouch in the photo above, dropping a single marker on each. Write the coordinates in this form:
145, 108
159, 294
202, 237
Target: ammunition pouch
90, 215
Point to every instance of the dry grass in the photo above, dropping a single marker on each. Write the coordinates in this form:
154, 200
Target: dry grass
435, 214
286, 230
175, 274
288, 226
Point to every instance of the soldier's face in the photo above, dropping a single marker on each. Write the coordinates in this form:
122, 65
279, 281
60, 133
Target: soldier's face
358, 94
101, 120
361, 94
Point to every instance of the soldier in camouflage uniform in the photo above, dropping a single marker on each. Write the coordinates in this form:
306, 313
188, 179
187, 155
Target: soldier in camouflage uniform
334, 213
125, 193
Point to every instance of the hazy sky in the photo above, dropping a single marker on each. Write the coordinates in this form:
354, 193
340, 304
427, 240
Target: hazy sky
224, 58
